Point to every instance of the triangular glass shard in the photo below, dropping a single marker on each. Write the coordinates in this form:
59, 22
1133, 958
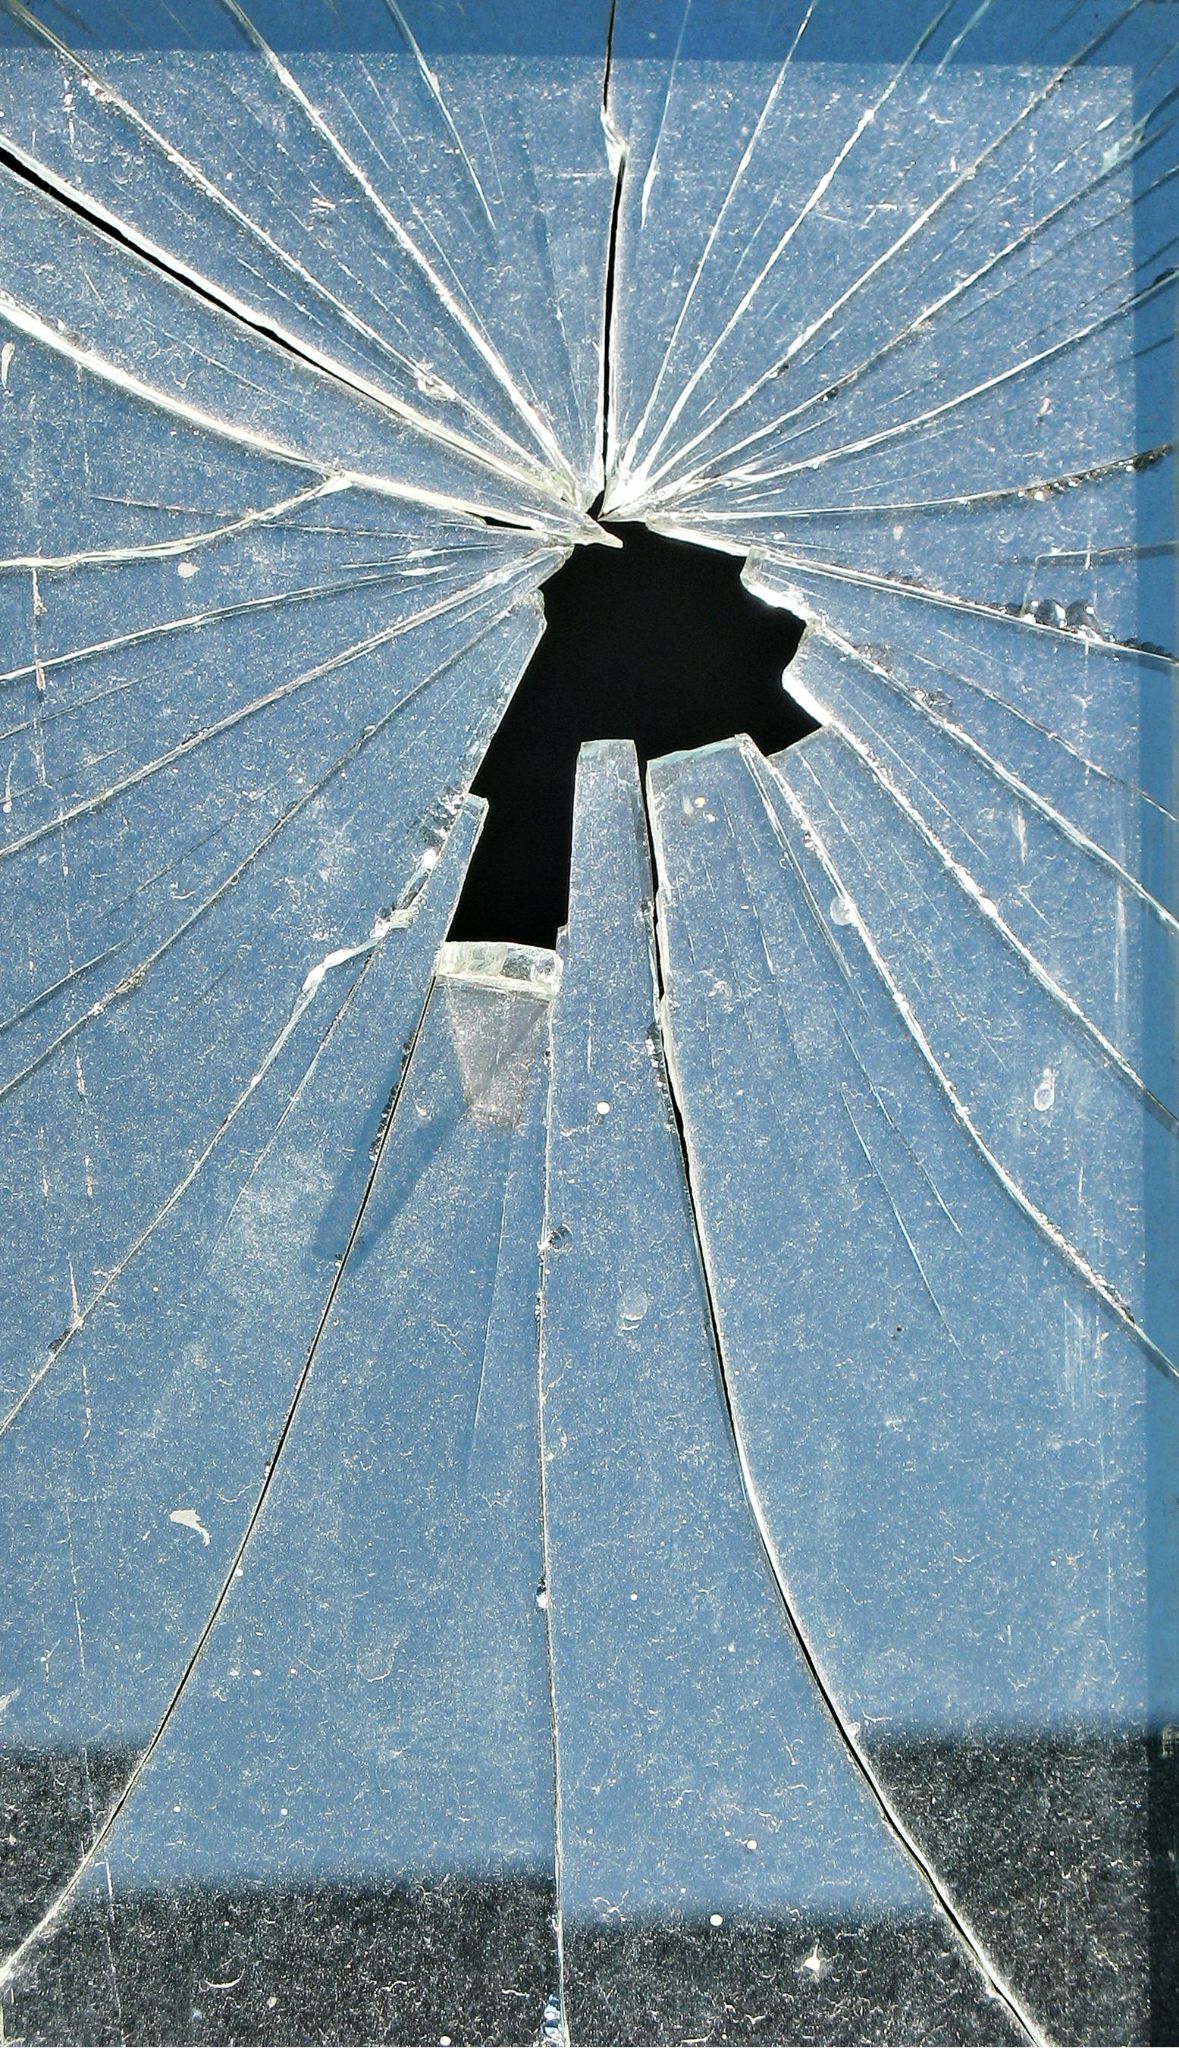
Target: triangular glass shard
719, 1846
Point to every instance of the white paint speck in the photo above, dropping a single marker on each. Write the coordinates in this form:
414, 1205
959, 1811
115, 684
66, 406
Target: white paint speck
186, 569
188, 1518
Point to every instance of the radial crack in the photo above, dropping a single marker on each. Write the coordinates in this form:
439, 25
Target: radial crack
999, 1986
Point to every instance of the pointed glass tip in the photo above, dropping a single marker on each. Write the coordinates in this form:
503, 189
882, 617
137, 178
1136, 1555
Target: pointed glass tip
533, 970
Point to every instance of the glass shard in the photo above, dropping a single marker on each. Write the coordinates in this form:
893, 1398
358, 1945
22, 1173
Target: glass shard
720, 1851
352, 1771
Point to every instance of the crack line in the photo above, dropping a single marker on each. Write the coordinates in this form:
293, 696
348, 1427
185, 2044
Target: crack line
54, 1911
1001, 1990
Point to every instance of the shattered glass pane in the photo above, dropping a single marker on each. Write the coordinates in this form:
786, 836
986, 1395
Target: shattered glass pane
625, 1494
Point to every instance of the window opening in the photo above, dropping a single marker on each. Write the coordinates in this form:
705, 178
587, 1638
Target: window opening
658, 642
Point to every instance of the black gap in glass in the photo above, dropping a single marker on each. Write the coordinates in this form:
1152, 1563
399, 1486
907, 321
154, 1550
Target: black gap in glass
657, 642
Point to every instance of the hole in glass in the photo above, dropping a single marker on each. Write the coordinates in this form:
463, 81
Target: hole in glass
658, 642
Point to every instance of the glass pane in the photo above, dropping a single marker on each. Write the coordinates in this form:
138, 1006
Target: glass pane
326, 336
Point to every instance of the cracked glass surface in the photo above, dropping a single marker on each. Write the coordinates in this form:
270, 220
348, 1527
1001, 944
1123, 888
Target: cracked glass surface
624, 1494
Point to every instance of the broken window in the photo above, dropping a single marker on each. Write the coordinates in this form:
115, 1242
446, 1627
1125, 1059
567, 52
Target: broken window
616, 1491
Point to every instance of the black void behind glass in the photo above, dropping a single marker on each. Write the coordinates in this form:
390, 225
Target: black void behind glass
657, 642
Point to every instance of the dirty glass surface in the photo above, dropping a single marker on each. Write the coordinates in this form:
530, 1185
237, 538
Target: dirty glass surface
625, 1494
